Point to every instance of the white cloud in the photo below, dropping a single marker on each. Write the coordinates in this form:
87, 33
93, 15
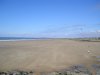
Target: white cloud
98, 31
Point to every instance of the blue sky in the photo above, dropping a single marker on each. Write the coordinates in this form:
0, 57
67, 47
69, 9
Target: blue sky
49, 18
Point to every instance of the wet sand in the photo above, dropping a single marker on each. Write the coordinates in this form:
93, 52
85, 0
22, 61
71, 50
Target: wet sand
47, 55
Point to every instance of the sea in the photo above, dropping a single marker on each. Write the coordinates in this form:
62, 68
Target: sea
19, 38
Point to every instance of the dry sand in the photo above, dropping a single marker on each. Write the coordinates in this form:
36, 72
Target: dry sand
47, 55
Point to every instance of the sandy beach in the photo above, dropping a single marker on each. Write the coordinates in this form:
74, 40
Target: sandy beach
47, 55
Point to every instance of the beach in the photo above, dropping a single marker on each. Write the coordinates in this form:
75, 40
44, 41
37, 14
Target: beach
47, 55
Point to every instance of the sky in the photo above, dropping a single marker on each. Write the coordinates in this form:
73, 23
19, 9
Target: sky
49, 18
